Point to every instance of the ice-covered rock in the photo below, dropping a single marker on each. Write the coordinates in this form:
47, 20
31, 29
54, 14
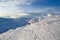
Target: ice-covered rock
47, 29
6, 34
35, 20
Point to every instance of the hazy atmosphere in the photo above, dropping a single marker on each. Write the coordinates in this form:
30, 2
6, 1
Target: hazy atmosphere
11, 8
39, 19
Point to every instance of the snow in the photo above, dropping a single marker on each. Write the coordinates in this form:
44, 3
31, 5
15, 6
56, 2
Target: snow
6, 34
46, 29
35, 20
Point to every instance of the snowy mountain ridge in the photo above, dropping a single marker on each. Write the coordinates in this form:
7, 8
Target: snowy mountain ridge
46, 29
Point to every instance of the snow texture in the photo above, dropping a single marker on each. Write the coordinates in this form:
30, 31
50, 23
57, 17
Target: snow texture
46, 29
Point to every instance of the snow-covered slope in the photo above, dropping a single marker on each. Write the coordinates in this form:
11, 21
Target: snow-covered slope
47, 29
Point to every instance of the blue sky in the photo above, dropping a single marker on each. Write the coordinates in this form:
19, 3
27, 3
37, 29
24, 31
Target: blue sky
47, 3
13, 7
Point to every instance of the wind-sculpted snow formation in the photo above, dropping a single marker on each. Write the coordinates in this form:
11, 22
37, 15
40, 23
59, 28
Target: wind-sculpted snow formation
46, 29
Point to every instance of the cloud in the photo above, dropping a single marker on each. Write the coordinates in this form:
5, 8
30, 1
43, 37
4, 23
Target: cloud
47, 10
5, 15
10, 7
15, 2
15, 13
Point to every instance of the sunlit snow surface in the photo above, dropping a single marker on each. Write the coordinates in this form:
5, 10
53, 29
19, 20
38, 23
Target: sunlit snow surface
47, 29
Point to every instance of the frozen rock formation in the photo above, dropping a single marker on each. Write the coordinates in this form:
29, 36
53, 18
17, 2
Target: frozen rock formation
47, 29
35, 20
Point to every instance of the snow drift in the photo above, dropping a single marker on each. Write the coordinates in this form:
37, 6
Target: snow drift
46, 29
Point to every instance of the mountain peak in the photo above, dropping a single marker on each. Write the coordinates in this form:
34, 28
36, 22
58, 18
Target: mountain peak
46, 29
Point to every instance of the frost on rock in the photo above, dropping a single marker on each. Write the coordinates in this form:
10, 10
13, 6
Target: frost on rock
47, 29
35, 20
6, 34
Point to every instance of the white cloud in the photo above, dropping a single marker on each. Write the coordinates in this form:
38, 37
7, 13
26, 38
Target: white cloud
11, 6
18, 15
5, 15
46, 10
15, 2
